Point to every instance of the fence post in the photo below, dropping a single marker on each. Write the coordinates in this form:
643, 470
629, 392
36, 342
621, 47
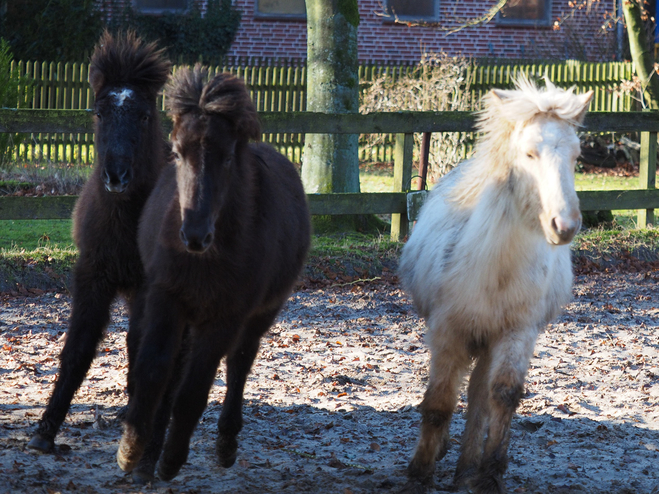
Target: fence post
402, 181
647, 174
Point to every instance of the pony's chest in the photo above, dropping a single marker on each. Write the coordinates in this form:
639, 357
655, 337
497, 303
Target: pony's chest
519, 289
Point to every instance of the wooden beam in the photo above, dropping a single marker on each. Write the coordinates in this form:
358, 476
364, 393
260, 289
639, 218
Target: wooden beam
360, 203
403, 156
61, 207
36, 208
598, 200
81, 121
647, 174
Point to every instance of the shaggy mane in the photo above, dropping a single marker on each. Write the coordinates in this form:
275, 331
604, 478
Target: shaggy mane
225, 95
127, 59
502, 111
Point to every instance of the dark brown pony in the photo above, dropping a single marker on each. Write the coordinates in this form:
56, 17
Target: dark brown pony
126, 76
223, 239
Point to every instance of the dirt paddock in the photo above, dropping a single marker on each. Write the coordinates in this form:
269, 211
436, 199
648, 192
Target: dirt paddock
331, 403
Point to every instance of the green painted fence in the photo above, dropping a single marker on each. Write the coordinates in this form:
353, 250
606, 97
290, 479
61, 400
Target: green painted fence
279, 85
401, 202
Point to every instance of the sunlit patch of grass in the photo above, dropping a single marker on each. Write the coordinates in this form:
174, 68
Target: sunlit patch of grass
358, 243
29, 235
614, 240
593, 181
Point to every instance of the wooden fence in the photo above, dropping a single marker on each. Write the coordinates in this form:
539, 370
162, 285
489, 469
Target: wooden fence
280, 86
401, 202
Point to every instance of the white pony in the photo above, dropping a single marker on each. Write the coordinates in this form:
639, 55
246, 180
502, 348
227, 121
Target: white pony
488, 265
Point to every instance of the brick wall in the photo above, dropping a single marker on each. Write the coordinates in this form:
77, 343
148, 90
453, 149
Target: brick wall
581, 36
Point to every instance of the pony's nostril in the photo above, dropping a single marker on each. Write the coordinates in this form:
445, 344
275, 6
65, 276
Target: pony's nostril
208, 239
564, 230
126, 176
182, 236
106, 177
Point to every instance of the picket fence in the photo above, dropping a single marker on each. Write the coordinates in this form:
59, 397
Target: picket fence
279, 85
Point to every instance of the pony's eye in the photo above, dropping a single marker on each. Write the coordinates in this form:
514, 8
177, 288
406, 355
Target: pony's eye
531, 155
145, 118
98, 115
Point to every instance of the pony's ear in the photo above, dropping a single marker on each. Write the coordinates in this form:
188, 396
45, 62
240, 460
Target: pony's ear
96, 79
584, 101
499, 94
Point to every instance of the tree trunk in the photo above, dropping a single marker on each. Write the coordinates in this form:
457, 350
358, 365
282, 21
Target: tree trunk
641, 54
331, 162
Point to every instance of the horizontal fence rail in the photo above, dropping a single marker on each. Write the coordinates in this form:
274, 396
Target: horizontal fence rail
402, 204
19, 120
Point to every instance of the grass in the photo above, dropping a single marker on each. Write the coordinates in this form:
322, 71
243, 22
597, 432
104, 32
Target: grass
29, 235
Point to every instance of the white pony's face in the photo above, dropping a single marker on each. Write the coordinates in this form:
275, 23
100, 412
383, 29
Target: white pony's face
546, 152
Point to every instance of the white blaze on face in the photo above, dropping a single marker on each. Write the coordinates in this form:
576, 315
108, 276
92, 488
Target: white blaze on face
120, 96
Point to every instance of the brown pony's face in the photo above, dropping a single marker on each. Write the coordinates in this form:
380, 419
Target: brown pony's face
123, 118
204, 148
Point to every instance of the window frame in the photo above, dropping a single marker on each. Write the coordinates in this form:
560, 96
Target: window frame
277, 17
412, 18
544, 22
160, 11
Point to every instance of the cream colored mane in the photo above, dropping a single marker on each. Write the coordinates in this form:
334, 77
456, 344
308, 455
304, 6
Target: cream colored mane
502, 111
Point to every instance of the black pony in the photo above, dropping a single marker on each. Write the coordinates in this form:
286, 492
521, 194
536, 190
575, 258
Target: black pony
126, 76
223, 239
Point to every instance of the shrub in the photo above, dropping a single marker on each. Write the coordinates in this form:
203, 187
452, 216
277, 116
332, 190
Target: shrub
188, 37
438, 83
47, 30
14, 92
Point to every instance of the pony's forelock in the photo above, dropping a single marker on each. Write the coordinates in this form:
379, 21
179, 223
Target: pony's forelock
526, 101
225, 95
125, 59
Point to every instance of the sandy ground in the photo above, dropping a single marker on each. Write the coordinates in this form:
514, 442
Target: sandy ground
331, 403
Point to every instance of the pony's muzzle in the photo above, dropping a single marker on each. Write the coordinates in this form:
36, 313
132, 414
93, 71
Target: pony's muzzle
196, 242
564, 229
116, 181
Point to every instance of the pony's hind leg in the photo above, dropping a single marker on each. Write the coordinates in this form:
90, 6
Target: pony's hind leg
90, 313
477, 415
239, 363
447, 367
510, 361
208, 346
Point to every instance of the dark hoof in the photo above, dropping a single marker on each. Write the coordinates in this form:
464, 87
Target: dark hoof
142, 476
489, 484
42, 444
463, 476
421, 472
130, 451
167, 471
414, 487
226, 449
121, 413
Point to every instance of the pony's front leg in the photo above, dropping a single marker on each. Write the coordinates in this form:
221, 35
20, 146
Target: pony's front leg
447, 367
208, 346
239, 363
510, 362
90, 313
471, 450
160, 344
144, 472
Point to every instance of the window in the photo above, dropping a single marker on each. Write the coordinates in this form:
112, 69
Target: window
418, 10
525, 13
160, 6
294, 9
